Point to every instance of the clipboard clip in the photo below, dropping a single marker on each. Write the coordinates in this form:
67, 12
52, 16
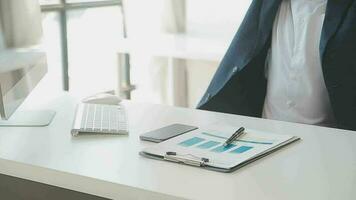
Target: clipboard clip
188, 159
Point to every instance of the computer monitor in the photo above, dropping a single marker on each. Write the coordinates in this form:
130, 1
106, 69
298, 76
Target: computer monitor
20, 71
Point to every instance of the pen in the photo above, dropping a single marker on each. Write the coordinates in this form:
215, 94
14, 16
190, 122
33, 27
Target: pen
234, 136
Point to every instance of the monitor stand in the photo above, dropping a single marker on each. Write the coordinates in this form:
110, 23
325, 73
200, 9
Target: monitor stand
29, 119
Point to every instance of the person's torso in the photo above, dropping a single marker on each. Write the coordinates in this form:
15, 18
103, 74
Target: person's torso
239, 84
296, 90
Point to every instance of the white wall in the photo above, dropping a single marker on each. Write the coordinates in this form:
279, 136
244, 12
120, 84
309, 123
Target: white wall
208, 19
215, 18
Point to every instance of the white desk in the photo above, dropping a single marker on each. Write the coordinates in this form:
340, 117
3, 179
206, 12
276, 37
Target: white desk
321, 166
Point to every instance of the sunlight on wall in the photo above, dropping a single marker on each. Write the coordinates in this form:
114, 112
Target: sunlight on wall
215, 18
94, 35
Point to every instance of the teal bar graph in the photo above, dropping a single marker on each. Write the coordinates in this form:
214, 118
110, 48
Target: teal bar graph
246, 141
221, 149
208, 144
191, 141
241, 149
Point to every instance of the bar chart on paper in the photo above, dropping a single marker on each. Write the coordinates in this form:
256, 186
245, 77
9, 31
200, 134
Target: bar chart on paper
214, 143
208, 144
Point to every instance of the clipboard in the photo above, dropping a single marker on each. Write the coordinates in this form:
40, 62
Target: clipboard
206, 162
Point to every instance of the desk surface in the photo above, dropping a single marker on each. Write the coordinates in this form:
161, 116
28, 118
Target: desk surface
321, 166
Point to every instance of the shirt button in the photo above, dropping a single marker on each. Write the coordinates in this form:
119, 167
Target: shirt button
207, 97
234, 70
290, 104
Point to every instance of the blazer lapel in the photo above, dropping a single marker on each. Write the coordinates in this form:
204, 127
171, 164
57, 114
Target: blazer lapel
335, 12
267, 17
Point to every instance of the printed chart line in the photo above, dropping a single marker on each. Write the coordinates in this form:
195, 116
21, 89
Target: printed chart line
246, 141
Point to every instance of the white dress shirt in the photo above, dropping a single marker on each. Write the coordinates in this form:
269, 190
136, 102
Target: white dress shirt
296, 90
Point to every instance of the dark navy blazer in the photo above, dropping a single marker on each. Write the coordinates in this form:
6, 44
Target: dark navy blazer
239, 84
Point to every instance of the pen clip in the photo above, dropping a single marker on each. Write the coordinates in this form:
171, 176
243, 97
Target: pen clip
183, 158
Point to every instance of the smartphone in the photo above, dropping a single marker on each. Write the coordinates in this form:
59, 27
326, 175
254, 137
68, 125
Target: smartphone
167, 132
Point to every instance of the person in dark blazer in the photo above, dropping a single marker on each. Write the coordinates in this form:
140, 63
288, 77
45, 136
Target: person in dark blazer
291, 60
